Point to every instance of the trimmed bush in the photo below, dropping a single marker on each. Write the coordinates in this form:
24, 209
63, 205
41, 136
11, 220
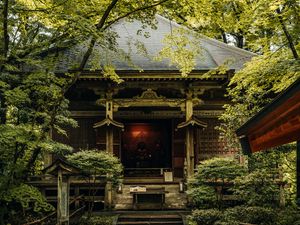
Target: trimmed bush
206, 216
253, 215
97, 220
202, 189
257, 189
288, 216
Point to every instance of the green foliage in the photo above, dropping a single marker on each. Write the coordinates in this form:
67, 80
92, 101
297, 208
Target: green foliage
95, 162
218, 171
181, 48
202, 196
246, 214
288, 168
206, 216
28, 197
253, 87
258, 188
97, 220
255, 25
22, 202
253, 215
278, 166
287, 216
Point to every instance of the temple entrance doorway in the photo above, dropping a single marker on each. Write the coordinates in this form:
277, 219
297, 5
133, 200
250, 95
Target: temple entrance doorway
146, 146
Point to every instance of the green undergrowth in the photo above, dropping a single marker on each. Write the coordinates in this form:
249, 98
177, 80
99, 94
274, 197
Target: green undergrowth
245, 215
96, 220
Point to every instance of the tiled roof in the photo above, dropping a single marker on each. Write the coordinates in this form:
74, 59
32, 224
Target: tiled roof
214, 52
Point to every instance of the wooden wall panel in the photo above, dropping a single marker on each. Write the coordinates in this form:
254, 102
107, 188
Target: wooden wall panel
101, 138
81, 137
178, 146
209, 143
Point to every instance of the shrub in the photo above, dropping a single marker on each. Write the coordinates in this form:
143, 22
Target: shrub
227, 223
206, 216
95, 162
203, 196
201, 190
97, 220
219, 169
253, 215
257, 188
23, 203
288, 216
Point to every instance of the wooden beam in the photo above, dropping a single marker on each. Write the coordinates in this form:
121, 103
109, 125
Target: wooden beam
109, 131
109, 148
155, 114
285, 133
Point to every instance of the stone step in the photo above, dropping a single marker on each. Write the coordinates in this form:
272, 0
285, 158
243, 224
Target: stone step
150, 219
151, 223
149, 180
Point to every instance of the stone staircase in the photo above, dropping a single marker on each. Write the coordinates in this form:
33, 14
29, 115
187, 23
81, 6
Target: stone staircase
174, 199
150, 218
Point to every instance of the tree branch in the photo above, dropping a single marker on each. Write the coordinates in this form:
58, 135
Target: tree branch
106, 14
4, 55
224, 37
93, 40
132, 12
5, 29
287, 35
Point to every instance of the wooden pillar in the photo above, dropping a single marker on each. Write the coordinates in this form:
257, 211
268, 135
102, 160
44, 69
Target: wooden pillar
63, 187
108, 195
189, 151
298, 173
109, 149
109, 131
189, 140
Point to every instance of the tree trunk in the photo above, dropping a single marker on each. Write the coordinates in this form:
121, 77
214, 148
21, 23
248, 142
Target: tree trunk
5, 40
287, 35
223, 34
239, 41
5, 29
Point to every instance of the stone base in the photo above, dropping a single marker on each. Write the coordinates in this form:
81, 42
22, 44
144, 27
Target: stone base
174, 199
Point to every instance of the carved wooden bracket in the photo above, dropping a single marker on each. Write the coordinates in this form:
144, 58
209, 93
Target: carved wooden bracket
148, 98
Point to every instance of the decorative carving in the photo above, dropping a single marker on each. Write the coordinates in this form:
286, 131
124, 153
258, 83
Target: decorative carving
145, 102
197, 101
149, 94
148, 98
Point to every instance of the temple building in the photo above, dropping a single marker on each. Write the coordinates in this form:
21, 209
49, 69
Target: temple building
159, 123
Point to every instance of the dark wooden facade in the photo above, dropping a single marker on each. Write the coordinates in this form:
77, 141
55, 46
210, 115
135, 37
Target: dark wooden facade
148, 100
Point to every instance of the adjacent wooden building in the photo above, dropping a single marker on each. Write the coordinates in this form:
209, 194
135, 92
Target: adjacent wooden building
276, 124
